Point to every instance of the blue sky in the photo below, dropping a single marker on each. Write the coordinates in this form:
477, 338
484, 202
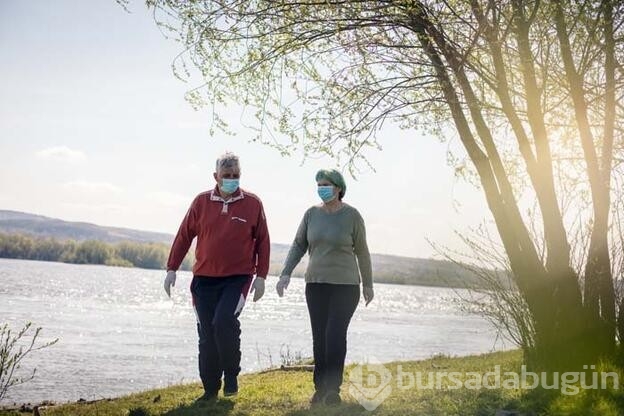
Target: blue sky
94, 127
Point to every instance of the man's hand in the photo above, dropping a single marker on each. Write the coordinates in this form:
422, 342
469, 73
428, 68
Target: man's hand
170, 281
257, 288
369, 294
282, 285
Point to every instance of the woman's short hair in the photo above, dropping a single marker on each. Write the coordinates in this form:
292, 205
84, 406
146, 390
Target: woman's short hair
335, 177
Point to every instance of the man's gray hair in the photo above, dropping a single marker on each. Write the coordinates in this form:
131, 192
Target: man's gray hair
227, 160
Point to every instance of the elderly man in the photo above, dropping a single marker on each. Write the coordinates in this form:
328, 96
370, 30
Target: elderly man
232, 246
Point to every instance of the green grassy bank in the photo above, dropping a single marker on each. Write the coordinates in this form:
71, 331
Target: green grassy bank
287, 393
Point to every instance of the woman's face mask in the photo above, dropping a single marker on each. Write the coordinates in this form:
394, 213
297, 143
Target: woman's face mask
326, 192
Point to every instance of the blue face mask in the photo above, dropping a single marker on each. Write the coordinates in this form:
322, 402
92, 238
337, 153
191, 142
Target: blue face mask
229, 186
326, 192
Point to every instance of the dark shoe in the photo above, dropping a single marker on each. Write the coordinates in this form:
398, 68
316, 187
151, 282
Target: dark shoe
332, 398
317, 398
207, 397
230, 386
212, 387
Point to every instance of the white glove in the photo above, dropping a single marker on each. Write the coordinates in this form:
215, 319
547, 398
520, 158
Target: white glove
170, 281
282, 284
257, 288
368, 293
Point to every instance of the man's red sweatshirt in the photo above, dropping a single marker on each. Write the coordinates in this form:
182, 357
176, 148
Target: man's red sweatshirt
232, 236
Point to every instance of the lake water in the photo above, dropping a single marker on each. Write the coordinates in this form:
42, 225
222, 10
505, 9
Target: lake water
119, 333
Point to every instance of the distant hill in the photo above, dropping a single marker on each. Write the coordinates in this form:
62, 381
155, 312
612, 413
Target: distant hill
386, 268
14, 222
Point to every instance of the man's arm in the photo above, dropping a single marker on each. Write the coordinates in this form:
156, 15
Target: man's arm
263, 245
183, 239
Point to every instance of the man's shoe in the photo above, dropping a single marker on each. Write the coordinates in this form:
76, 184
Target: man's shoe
332, 398
230, 386
207, 397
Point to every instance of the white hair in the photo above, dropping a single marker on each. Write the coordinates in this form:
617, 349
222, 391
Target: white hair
227, 160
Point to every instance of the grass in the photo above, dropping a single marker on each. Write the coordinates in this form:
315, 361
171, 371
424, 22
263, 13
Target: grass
286, 393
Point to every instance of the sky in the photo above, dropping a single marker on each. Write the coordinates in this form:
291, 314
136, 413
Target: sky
94, 127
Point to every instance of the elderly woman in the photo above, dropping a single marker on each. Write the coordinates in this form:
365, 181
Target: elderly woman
333, 234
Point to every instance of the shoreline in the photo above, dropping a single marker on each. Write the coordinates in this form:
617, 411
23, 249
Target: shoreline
281, 392
303, 369
287, 391
430, 284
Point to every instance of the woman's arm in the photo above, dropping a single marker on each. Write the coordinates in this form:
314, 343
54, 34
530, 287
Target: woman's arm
298, 247
360, 248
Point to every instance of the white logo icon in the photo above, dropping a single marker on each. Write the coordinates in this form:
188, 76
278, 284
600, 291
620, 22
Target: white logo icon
369, 384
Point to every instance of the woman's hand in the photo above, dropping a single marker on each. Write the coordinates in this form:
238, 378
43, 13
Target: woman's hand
368, 293
282, 284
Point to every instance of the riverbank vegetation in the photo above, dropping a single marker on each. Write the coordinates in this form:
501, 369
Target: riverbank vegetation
125, 253
15, 346
153, 255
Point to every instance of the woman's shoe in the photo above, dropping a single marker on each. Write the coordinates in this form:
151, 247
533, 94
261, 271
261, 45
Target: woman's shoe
332, 398
317, 398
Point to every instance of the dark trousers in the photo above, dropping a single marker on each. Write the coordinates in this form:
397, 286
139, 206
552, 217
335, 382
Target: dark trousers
331, 307
218, 301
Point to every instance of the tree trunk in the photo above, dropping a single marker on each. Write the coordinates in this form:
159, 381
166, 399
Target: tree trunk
551, 291
620, 321
599, 292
